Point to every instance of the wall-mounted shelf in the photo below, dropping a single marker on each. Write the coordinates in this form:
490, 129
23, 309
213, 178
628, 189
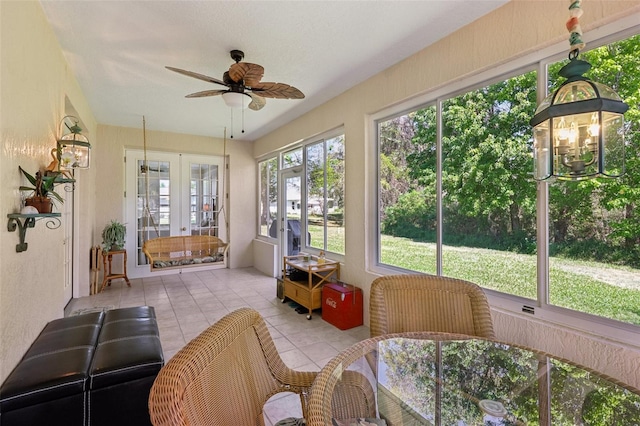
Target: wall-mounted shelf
24, 221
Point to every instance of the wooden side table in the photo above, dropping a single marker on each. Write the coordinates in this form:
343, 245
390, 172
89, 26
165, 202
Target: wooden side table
107, 257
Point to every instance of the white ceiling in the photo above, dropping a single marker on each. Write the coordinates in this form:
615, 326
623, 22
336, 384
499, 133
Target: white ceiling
118, 51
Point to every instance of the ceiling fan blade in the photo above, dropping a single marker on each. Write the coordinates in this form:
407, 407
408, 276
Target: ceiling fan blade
206, 93
277, 90
196, 75
257, 102
250, 73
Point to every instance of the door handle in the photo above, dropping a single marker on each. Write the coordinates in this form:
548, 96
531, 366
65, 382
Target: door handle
184, 228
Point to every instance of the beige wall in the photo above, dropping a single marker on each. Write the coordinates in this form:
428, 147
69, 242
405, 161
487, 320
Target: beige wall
34, 82
519, 28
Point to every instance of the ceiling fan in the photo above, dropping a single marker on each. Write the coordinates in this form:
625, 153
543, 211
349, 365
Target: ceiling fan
243, 83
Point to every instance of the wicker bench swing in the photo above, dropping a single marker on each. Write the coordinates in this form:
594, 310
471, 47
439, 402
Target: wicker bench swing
184, 252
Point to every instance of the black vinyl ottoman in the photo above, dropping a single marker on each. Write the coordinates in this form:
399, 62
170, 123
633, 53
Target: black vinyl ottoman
91, 369
127, 360
48, 385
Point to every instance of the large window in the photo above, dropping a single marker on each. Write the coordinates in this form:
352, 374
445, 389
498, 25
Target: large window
486, 210
407, 191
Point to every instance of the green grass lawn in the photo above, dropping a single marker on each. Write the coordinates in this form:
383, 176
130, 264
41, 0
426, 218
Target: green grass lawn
335, 238
573, 284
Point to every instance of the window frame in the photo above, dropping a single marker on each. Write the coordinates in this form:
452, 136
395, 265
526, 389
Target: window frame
537, 61
321, 138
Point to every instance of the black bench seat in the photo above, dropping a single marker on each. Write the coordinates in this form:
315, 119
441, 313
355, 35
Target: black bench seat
92, 369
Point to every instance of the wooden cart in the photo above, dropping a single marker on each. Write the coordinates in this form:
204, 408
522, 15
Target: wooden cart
306, 290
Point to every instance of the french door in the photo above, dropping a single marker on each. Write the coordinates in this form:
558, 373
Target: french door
171, 194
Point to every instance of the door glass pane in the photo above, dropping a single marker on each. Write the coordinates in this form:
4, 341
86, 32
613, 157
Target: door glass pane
203, 201
153, 200
293, 225
316, 197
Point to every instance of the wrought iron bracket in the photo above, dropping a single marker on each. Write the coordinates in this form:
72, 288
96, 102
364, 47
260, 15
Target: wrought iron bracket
23, 221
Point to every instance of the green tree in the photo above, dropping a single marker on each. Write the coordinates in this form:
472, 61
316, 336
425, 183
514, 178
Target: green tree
600, 218
486, 181
396, 144
488, 193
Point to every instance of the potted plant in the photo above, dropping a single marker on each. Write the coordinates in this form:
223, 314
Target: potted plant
113, 236
41, 190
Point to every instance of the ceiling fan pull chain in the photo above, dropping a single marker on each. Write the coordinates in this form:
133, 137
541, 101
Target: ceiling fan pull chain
243, 119
231, 109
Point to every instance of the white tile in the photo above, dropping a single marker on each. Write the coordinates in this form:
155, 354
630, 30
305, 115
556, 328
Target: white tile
186, 304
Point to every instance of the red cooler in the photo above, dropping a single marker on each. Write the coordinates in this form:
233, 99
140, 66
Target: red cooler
342, 305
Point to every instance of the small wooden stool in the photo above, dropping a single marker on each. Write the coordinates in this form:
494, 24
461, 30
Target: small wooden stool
108, 275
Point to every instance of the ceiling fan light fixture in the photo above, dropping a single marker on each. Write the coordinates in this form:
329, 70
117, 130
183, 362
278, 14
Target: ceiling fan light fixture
236, 100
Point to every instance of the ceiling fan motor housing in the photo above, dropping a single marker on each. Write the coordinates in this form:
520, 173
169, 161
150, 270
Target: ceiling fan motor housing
234, 86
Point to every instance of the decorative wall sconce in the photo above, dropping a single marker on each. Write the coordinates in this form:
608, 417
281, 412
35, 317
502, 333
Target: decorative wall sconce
578, 131
73, 147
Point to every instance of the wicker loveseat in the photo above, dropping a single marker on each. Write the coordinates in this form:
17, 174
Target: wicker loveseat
184, 251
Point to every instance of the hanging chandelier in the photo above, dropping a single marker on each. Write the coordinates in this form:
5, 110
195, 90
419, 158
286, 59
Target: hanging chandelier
578, 131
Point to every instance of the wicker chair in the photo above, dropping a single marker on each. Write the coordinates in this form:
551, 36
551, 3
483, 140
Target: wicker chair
402, 303
226, 374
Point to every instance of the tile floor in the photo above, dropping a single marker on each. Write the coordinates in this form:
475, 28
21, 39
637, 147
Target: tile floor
188, 303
